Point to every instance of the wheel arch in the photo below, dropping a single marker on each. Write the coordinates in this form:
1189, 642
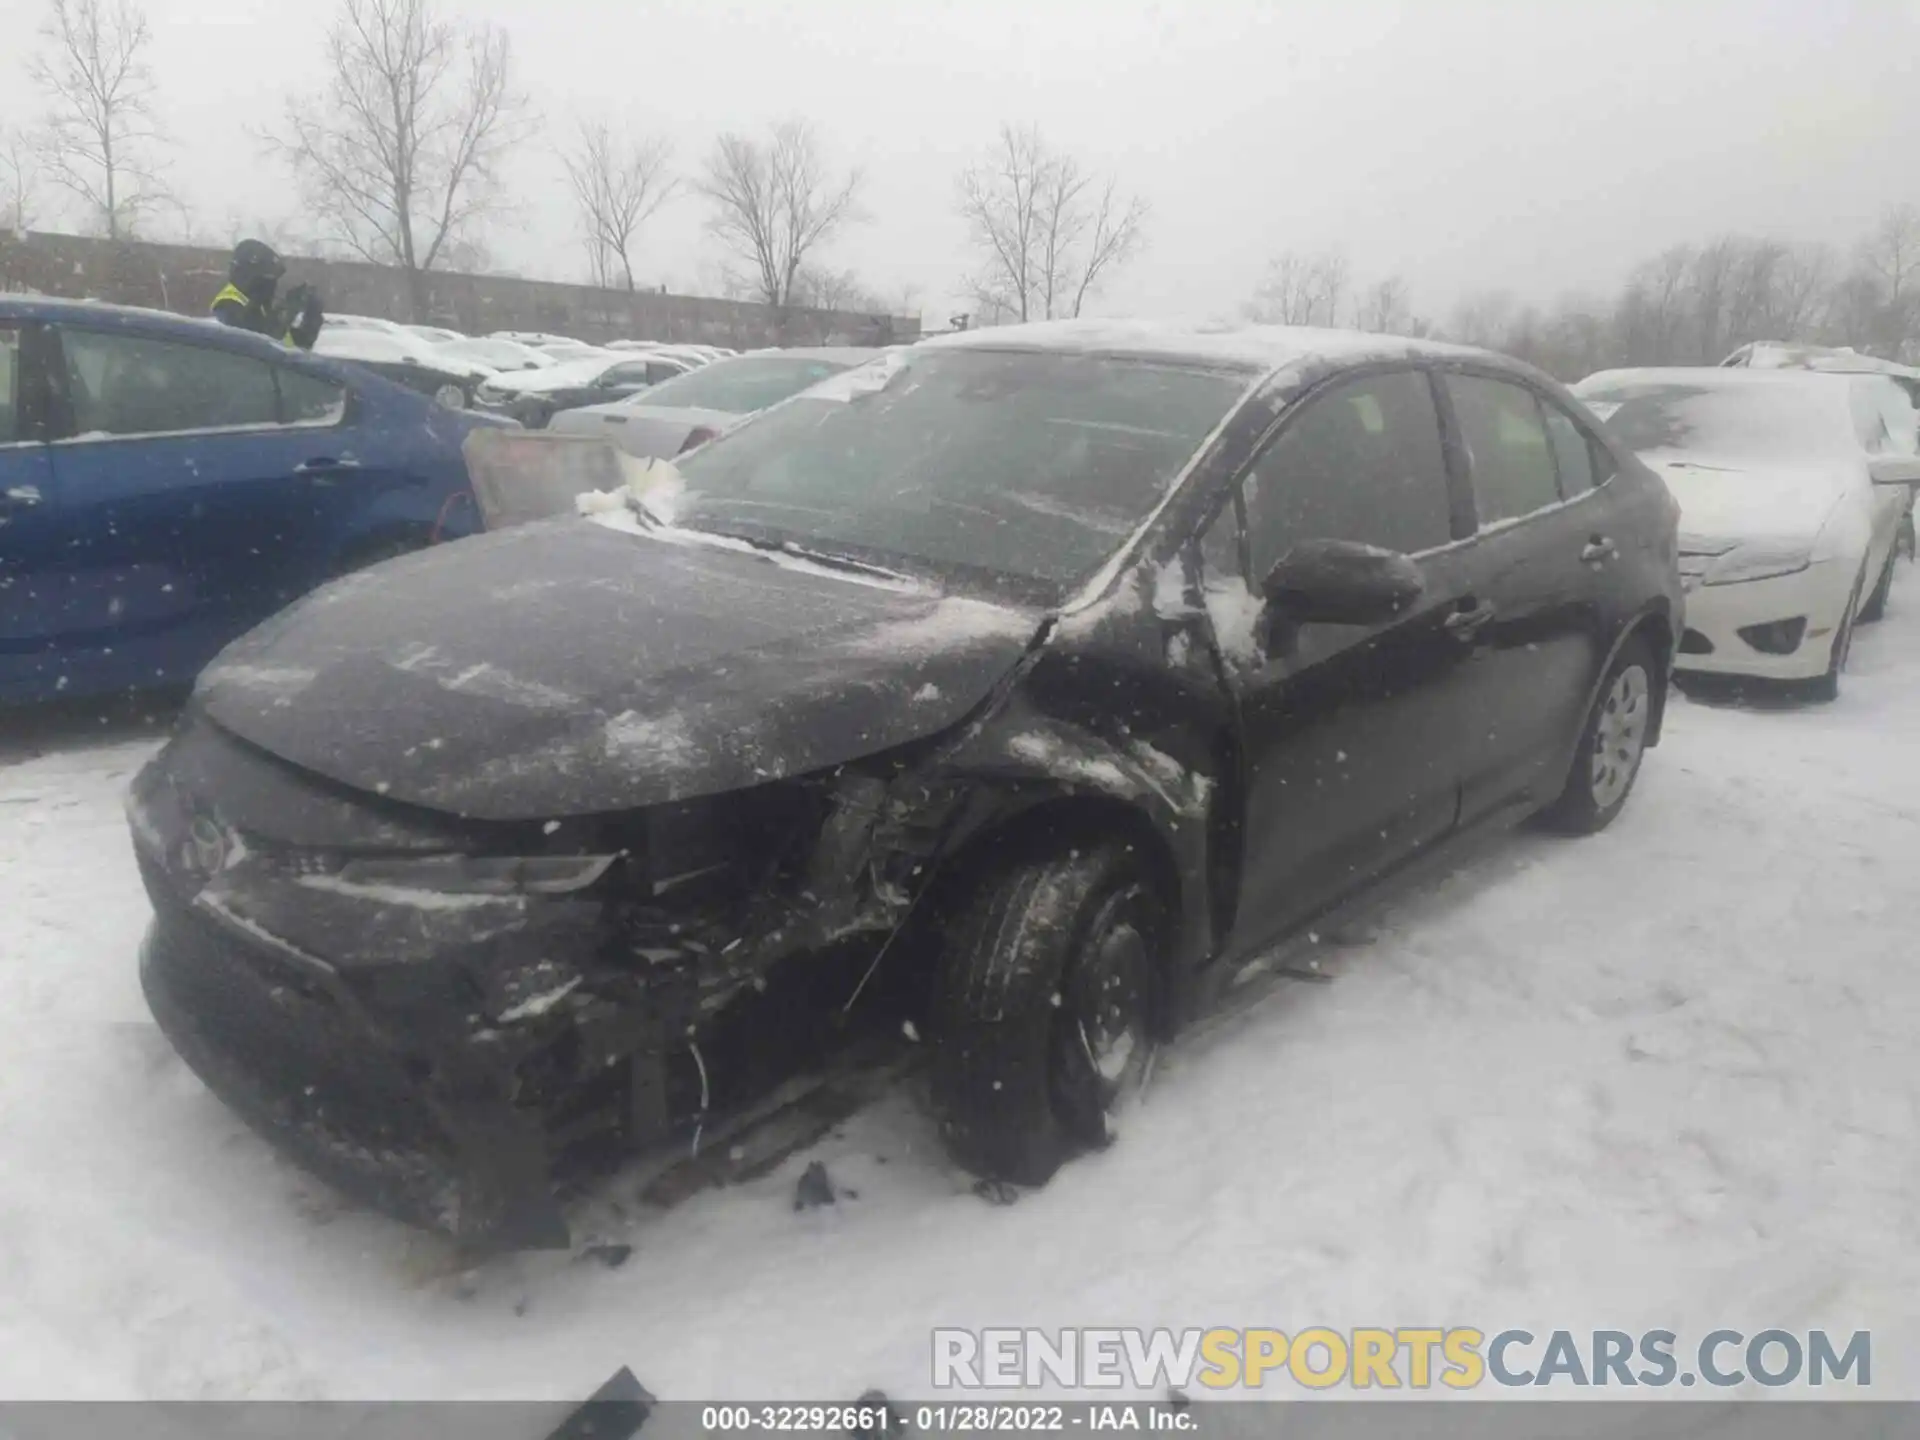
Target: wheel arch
1657, 627
1045, 782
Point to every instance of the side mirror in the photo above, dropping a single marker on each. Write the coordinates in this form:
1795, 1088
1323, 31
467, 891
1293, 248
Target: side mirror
1895, 469
1340, 582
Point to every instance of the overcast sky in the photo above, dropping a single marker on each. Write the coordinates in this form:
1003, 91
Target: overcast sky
1534, 145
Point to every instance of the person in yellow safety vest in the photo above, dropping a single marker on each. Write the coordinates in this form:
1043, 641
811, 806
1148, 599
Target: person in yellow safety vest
246, 301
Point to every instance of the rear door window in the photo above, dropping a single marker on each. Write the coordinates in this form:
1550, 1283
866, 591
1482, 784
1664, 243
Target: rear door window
1509, 454
120, 384
1573, 453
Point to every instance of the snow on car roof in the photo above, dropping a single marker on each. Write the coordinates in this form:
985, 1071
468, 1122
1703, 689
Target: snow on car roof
1249, 347
1716, 377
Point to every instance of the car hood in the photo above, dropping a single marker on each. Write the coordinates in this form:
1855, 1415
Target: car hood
568, 375
1736, 499
571, 668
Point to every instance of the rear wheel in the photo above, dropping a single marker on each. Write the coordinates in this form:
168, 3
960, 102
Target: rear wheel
1612, 744
1827, 688
1045, 1008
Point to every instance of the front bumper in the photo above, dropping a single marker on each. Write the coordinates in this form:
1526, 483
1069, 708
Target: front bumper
447, 1058
1717, 614
429, 1135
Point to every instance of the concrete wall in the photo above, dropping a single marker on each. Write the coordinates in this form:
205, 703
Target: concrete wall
184, 278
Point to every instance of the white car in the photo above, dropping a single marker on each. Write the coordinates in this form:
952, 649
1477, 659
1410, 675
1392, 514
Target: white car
534, 397
332, 321
498, 354
451, 380
679, 414
433, 334
1791, 485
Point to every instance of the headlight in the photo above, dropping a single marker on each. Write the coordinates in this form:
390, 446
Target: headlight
1760, 560
481, 875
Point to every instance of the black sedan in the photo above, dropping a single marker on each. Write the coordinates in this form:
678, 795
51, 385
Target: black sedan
1031, 683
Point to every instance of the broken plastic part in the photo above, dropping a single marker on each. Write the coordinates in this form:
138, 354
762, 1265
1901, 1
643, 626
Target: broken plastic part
482, 875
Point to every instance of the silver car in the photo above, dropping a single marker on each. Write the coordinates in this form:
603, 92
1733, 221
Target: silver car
688, 410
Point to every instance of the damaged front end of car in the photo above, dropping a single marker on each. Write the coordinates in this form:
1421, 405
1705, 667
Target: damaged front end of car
443, 1018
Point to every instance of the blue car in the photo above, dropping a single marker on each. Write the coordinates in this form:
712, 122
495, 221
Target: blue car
166, 484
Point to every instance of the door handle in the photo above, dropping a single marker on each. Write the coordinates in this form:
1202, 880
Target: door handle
324, 464
21, 495
1599, 548
1466, 621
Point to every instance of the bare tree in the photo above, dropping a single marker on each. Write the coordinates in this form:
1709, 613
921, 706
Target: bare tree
774, 202
1800, 295
1384, 308
619, 182
1892, 253
822, 289
101, 140
1484, 319
401, 153
19, 181
1047, 231
1300, 290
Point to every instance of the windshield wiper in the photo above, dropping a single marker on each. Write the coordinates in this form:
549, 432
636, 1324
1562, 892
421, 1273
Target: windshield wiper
819, 557
648, 520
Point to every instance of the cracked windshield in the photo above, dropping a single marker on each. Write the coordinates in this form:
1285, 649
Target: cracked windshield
884, 719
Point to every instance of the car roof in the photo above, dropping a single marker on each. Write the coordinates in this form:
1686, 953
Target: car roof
1727, 377
852, 354
1255, 349
158, 323
1834, 359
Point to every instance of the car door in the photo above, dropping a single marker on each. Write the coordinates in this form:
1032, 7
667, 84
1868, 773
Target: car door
27, 540
1544, 558
629, 377
1347, 732
189, 508
1883, 419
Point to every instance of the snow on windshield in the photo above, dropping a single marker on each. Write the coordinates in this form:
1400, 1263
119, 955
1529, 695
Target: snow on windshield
1793, 417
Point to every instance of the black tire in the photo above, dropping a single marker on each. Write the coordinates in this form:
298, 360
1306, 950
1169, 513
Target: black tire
1585, 805
1054, 960
1876, 606
1826, 688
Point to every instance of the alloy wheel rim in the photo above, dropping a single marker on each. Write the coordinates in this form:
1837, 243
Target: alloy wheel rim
1620, 736
1106, 1025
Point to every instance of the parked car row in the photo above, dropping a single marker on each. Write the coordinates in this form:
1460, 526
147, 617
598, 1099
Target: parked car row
491, 371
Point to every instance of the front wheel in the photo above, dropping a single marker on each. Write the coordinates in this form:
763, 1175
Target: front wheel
1045, 1007
1876, 606
1826, 688
1612, 744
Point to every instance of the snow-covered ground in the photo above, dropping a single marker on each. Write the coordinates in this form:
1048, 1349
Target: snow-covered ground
1665, 1077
